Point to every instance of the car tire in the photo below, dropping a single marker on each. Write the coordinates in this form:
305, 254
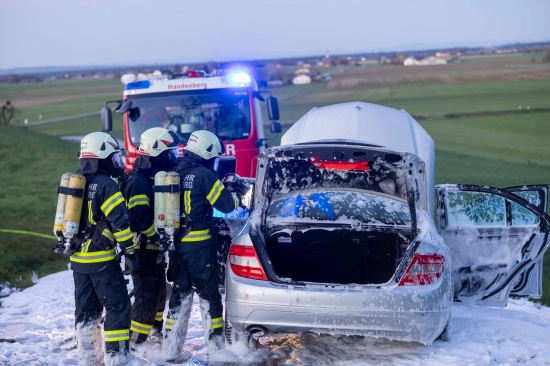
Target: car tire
234, 336
445, 335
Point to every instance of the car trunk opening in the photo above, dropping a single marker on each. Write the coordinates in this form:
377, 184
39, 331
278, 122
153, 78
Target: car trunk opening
326, 165
338, 214
336, 256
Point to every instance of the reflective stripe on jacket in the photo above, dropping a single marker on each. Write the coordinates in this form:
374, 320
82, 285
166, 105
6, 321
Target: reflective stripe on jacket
200, 191
104, 208
140, 198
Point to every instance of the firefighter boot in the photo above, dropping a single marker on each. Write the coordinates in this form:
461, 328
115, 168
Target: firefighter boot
176, 326
213, 328
216, 341
155, 335
89, 344
124, 358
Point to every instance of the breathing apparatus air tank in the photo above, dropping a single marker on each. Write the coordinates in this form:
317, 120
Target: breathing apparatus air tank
73, 210
172, 207
62, 191
160, 178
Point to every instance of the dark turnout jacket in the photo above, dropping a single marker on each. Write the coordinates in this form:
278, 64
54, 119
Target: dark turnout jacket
103, 223
200, 191
138, 189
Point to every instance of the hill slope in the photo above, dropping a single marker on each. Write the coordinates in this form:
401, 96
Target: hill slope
30, 171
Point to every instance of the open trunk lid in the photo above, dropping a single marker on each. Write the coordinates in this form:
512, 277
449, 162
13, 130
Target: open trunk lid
341, 164
338, 211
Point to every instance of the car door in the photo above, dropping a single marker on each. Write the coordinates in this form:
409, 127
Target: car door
529, 282
497, 239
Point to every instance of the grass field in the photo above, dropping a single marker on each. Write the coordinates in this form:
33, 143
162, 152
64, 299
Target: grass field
30, 171
503, 150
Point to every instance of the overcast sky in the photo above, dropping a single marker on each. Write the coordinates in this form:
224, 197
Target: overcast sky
122, 32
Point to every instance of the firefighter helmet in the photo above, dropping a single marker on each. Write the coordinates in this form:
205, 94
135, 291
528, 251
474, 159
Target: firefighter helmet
156, 140
205, 144
98, 145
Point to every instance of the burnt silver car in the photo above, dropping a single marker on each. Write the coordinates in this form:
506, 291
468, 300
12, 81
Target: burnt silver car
341, 238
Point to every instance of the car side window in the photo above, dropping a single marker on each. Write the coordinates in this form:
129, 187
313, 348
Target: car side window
522, 216
475, 209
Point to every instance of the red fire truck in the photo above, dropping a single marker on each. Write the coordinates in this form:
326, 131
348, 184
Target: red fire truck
224, 102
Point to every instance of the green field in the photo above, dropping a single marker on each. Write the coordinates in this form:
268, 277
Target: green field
29, 174
499, 150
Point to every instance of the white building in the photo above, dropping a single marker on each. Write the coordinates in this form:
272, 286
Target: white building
301, 79
432, 60
410, 61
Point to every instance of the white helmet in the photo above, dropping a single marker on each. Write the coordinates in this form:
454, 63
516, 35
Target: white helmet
205, 144
98, 145
156, 140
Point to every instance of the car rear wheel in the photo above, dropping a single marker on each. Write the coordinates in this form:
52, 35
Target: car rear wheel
234, 336
445, 335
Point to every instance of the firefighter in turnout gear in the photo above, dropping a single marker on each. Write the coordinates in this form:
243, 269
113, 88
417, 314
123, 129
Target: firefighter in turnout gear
192, 266
98, 279
157, 152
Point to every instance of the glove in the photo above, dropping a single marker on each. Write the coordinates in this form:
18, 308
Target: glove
131, 263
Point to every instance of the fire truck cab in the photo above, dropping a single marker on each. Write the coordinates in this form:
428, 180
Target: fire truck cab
226, 103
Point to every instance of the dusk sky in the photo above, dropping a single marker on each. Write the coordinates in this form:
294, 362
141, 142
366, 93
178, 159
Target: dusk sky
131, 32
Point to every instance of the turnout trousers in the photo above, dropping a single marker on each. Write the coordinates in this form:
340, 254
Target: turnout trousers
196, 271
149, 295
104, 290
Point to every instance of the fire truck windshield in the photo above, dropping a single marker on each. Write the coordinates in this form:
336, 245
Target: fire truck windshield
225, 112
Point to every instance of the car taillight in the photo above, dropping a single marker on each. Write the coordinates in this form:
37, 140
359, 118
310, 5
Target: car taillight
339, 164
244, 262
424, 269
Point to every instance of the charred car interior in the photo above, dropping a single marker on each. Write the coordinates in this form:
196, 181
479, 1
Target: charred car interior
338, 216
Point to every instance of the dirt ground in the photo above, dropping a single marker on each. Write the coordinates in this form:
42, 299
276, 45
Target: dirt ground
35, 96
446, 74
505, 70
36, 101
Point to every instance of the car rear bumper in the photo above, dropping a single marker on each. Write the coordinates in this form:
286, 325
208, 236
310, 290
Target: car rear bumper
398, 313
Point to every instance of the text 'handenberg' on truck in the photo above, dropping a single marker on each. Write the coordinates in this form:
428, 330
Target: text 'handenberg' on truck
226, 103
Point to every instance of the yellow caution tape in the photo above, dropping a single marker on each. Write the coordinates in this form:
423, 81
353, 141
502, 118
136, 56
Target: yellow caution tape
27, 233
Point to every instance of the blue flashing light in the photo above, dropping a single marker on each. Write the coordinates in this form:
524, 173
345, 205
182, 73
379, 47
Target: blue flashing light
239, 77
142, 84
